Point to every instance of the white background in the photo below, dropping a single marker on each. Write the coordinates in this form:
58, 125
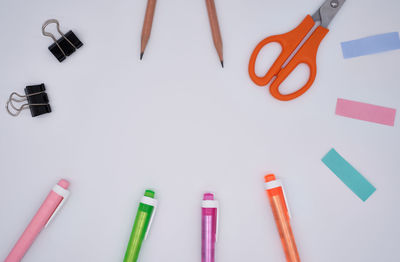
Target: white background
180, 124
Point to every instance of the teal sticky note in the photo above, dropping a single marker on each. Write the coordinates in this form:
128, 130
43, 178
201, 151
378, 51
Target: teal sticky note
348, 174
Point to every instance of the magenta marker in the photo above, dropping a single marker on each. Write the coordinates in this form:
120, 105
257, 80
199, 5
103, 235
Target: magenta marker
209, 227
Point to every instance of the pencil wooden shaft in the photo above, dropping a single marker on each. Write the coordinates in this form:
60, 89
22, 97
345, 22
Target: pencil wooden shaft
147, 24
216, 34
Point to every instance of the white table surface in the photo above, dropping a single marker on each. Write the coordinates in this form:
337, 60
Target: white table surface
180, 124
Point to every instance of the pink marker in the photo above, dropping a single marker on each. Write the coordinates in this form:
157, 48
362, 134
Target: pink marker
209, 227
45, 214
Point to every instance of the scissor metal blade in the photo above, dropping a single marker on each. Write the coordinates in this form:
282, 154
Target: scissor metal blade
327, 12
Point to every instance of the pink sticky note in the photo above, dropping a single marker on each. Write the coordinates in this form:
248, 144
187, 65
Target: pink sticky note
366, 112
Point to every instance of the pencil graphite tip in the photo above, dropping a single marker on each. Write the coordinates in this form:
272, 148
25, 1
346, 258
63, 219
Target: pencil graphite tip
222, 63
141, 55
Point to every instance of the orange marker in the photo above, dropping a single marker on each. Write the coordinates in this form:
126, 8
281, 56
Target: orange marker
282, 217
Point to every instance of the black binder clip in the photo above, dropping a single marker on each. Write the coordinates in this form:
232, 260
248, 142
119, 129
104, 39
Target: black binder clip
36, 99
64, 46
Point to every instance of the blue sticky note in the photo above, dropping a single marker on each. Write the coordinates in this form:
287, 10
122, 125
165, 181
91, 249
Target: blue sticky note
348, 174
371, 45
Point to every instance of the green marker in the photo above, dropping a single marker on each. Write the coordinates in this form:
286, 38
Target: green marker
143, 220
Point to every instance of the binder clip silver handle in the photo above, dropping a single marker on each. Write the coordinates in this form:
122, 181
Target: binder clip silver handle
18, 110
45, 33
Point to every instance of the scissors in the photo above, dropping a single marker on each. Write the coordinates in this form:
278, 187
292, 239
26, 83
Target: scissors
298, 46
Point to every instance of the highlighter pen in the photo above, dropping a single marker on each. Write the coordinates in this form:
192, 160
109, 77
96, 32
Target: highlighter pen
209, 227
143, 220
281, 213
51, 205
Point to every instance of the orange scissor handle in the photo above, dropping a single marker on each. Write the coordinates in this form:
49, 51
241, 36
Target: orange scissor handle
288, 42
307, 55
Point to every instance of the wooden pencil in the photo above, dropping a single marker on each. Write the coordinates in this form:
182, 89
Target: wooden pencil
216, 34
147, 24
